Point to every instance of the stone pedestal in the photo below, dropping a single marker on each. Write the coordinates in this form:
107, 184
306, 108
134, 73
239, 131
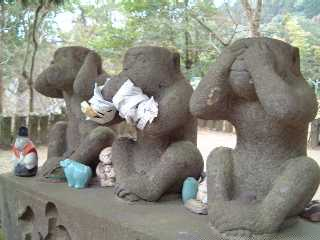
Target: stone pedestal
36, 210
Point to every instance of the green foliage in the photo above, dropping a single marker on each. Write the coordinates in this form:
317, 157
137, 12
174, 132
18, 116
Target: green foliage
1, 235
48, 3
310, 8
198, 30
16, 34
161, 23
303, 33
167, 23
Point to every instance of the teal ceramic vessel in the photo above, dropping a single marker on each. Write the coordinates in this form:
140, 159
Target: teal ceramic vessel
78, 175
189, 189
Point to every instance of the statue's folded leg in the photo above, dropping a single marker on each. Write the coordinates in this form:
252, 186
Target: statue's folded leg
300, 178
88, 151
291, 192
121, 158
57, 139
179, 161
56, 148
220, 175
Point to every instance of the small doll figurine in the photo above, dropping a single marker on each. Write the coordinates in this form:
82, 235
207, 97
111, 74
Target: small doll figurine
105, 171
25, 157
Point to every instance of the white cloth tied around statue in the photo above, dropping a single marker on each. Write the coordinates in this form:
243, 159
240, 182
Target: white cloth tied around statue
100, 105
132, 104
99, 110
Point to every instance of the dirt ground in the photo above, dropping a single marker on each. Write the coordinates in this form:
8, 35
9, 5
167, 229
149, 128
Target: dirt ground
207, 140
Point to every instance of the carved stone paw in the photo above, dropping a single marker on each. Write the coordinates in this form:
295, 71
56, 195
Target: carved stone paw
122, 190
237, 234
234, 217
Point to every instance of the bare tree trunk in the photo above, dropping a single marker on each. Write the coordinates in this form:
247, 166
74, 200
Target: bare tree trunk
24, 73
254, 16
187, 37
35, 49
187, 61
2, 26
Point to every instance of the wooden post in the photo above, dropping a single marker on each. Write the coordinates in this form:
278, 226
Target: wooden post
55, 118
219, 126
43, 133
211, 124
19, 121
5, 131
33, 124
201, 123
314, 133
228, 127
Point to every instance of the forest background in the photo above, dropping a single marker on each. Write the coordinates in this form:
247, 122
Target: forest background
31, 30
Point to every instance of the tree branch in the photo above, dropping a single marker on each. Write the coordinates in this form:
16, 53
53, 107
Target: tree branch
212, 33
234, 22
254, 16
35, 49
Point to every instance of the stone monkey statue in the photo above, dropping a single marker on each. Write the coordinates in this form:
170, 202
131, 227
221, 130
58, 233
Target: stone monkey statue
71, 76
164, 154
267, 180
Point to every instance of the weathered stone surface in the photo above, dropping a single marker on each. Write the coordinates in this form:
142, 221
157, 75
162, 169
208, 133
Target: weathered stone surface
256, 84
5, 131
164, 154
314, 133
55, 211
33, 125
71, 76
43, 134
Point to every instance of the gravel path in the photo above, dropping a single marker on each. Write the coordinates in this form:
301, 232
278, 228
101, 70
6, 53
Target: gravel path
207, 140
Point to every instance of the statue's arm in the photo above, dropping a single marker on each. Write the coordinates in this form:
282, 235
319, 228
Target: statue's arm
173, 109
294, 102
211, 98
287, 98
87, 75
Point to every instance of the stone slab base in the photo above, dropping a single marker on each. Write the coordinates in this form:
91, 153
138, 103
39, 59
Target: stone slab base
35, 210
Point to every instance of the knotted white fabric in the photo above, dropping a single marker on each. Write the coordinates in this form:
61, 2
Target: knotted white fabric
103, 110
98, 103
134, 106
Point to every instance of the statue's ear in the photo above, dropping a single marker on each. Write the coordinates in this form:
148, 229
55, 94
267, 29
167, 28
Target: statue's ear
296, 61
84, 82
176, 61
42, 86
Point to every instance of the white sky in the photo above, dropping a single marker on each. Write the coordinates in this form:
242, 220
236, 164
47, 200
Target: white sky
64, 21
